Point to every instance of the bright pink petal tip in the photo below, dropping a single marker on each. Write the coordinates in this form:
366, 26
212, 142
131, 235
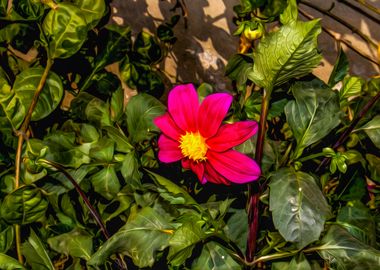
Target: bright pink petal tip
168, 150
234, 166
211, 113
168, 126
231, 135
183, 105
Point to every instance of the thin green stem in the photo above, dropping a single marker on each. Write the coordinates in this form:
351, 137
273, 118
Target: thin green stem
254, 189
313, 156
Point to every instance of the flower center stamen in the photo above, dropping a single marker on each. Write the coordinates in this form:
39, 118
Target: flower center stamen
193, 146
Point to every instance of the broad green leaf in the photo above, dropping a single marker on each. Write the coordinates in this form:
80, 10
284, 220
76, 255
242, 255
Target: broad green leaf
340, 68
92, 10
147, 48
141, 111
117, 104
130, 170
237, 67
36, 254
65, 28
103, 150
77, 243
122, 201
117, 135
372, 129
297, 263
356, 218
98, 112
214, 257
24, 87
288, 53
105, 182
290, 13
352, 87
313, 114
9, 263
6, 237
170, 191
183, 242
29, 9
298, 206
146, 232
344, 251
236, 230
24, 205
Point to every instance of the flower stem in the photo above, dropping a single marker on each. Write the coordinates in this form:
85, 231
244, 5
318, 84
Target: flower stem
254, 189
353, 124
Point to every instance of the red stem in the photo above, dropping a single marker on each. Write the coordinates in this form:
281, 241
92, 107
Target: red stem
254, 189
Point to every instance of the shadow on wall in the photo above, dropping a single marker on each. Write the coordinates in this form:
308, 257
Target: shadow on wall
202, 50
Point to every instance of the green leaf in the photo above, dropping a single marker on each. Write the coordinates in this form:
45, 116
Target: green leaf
8, 263
214, 257
146, 232
298, 206
374, 166
170, 191
24, 87
106, 183
130, 170
65, 29
77, 243
314, 113
183, 242
344, 251
288, 53
141, 111
36, 254
352, 87
340, 70
236, 230
372, 129
356, 218
92, 10
24, 205
103, 150
147, 48
98, 112
29, 9
117, 104
297, 263
117, 135
6, 237
290, 13
237, 67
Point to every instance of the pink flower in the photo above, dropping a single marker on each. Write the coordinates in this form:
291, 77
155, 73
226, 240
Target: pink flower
194, 134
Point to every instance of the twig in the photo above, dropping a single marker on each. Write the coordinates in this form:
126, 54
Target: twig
341, 21
254, 189
348, 131
345, 42
356, 8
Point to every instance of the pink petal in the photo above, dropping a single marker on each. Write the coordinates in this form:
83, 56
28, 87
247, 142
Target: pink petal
183, 105
212, 112
169, 150
234, 166
231, 135
168, 127
198, 169
211, 175
186, 163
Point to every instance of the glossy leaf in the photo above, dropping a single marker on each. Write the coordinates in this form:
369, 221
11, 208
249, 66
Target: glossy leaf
285, 54
298, 206
25, 205
313, 114
147, 48
9, 263
66, 30
344, 251
352, 87
103, 150
170, 191
183, 242
117, 135
36, 254
146, 232
290, 13
356, 218
130, 170
213, 257
77, 243
92, 10
374, 166
297, 263
6, 237
24, 87
340, 69
141, 111
29, 9
372, 129
106, 183
235, 230
117, 104
98, 112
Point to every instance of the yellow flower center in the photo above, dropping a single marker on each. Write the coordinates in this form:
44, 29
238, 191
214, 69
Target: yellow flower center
193, 146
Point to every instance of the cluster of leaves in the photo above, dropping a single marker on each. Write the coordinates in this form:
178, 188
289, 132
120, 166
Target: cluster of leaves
92, 194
